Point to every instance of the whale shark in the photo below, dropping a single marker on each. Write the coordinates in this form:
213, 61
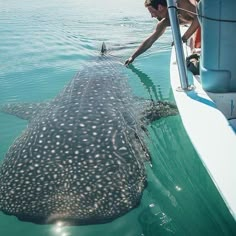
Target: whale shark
81, 158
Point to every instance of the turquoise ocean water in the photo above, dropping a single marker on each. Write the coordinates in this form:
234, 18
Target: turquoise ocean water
43, 44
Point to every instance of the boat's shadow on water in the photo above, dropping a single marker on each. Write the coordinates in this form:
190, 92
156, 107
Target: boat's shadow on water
181, 198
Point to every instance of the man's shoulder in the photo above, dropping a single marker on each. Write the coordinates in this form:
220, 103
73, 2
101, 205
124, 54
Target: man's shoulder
165, 22
187, 4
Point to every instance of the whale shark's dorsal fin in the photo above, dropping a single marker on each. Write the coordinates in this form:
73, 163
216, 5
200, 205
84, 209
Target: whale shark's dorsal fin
103, 49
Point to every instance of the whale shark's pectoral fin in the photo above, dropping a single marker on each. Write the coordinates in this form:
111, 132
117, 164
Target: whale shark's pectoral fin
25, 111
155, 110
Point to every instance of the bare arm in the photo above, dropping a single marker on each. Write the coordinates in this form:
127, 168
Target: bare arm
191, 6
147, 43
192, 28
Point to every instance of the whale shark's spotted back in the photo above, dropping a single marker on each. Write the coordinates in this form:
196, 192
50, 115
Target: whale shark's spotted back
81, 159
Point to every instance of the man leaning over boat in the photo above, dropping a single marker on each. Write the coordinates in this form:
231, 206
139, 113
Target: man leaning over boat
159, 10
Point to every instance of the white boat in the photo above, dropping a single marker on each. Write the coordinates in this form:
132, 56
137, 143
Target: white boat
207, 104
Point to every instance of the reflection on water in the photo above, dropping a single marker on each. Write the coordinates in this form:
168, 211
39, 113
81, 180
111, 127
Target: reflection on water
148, 83
59, 229
156, 222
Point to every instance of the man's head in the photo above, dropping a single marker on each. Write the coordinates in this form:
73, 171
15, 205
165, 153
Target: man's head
155, 3
157, 8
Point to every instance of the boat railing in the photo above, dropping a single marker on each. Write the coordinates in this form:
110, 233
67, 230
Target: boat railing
174, 22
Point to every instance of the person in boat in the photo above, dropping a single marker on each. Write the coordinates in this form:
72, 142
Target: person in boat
159, 10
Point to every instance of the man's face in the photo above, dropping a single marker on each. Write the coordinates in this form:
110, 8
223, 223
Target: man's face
158, 13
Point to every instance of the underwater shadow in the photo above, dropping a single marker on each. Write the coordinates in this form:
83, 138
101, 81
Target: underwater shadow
148, 83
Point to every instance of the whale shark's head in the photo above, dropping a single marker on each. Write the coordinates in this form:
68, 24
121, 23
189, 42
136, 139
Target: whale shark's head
74, 187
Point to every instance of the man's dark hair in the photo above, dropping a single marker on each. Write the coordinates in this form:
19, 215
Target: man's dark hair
154, 3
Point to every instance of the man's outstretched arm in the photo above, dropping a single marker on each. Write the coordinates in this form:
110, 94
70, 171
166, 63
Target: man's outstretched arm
147, 43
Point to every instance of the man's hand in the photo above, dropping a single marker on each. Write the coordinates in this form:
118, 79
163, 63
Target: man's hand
129, 61
184, 40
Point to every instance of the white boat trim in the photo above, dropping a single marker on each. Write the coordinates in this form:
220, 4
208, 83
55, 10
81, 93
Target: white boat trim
210, 132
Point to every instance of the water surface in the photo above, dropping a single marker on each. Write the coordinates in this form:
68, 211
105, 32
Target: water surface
43, 44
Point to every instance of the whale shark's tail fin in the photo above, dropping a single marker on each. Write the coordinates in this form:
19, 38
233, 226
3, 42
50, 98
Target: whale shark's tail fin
103, 49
